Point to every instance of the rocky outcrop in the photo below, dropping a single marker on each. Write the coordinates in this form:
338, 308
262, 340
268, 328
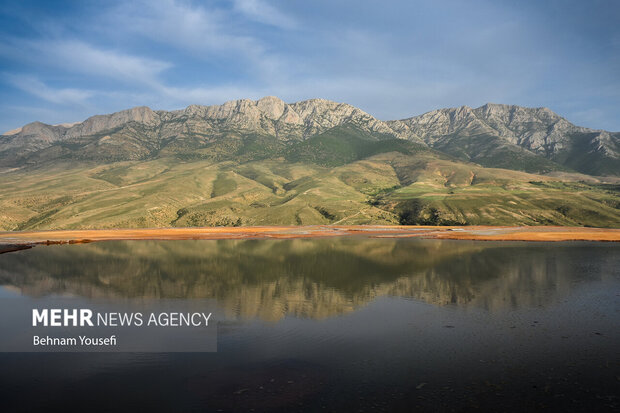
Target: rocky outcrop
140, 132
100, 123
270, 115
510, 130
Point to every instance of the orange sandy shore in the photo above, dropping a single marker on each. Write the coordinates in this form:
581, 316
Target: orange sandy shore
20, 240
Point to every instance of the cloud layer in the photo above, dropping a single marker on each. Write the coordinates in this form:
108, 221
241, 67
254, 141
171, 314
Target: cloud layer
64, 62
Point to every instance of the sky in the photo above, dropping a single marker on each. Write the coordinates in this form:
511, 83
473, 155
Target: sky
64, 61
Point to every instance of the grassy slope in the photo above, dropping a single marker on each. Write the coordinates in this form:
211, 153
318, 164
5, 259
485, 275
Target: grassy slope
345, 144
494, 152
586, 158
387, 188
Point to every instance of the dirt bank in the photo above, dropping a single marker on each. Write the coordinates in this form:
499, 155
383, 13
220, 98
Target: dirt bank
12, 241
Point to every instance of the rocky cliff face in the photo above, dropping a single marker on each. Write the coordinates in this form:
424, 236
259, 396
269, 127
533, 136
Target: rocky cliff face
272, 116
514, 131
513, 137
99, 123
141, 132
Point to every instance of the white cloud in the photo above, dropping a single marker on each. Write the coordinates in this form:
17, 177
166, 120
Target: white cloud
392, 59
262, 12
74, 56
82, 57
184, 26
204, 33
34, 86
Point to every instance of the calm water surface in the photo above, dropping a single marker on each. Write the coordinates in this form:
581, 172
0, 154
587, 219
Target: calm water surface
338, 324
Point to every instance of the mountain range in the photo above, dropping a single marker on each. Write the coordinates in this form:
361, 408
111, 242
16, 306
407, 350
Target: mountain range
268, 162
493, 135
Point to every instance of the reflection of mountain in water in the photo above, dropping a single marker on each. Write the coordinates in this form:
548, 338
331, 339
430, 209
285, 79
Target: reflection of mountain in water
311, 278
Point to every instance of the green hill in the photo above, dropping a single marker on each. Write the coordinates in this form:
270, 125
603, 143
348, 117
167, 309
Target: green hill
387, 188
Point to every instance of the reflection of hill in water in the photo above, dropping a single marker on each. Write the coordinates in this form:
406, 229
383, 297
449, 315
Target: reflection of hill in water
310, 278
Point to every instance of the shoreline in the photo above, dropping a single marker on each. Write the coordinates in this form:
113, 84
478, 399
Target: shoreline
15, 241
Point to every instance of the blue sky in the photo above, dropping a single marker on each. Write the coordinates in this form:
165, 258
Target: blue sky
63, 61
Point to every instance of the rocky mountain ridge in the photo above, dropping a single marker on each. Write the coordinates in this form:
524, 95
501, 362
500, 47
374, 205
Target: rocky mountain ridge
514, 131
493, 135
140, 132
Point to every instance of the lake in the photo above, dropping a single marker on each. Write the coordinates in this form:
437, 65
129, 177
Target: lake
337, 324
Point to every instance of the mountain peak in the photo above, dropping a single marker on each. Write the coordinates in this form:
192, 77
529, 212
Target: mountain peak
269, 99
514, 113
531, 139
494, 107
271, 106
